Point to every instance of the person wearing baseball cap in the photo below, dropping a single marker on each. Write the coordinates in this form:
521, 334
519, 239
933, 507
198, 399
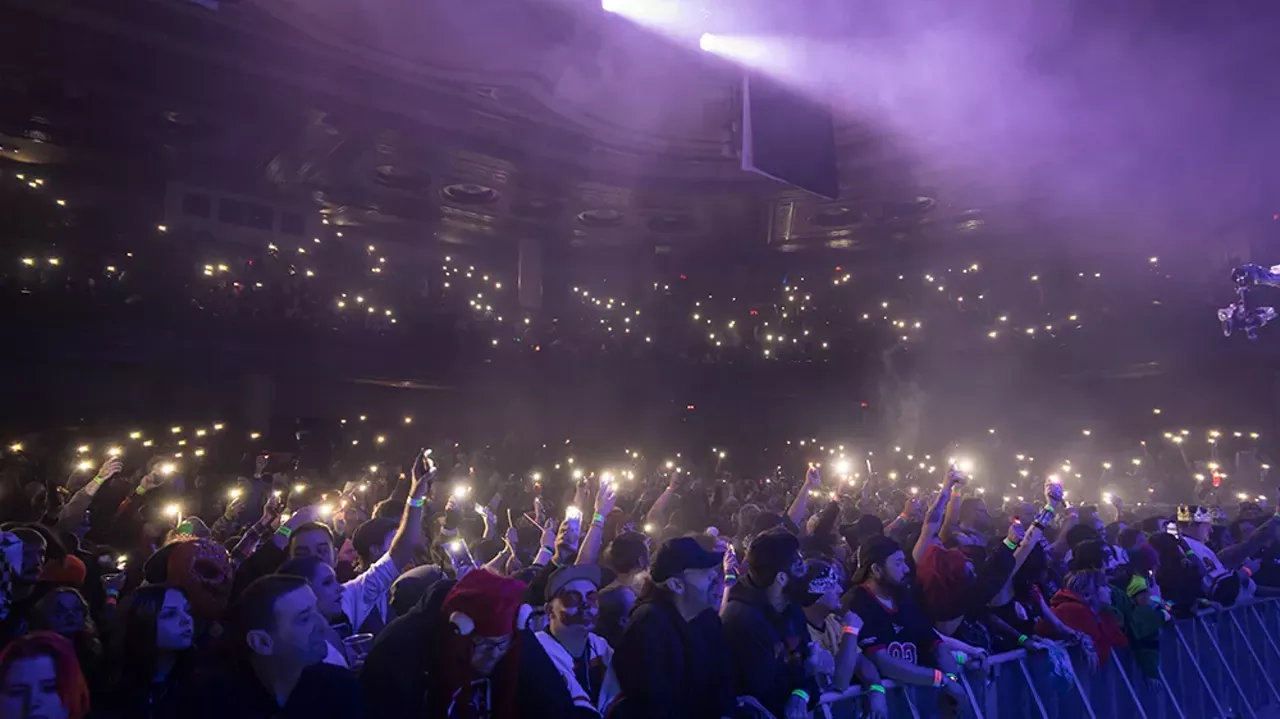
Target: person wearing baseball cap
759, 617
582, 656
896, 635
669, 658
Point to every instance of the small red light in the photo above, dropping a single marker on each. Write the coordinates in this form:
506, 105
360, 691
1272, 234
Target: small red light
838, 269
1276, 216
865, 405
754, 312
690, 407
683, 277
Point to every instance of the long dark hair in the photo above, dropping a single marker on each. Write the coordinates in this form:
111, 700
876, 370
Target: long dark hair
87, 643
136, 655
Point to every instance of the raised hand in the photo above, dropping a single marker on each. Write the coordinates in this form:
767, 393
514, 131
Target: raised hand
236, 505
812, 477
1052, 493
423, 474
274, 506
109, 469
153, 479
548, 537
260, 464
605, 499
1016, 532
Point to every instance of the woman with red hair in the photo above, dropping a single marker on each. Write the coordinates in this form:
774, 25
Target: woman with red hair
40, 679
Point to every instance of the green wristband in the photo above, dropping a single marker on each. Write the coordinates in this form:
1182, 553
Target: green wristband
877, 688
417, 502
1009, 543
801, 693
140, 490
284, 531
1022, 639
961, 658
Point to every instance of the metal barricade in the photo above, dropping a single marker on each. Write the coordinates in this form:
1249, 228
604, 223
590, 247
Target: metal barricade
1217, 665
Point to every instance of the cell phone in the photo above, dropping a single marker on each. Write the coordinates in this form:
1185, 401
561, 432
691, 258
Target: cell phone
459, 555
1172, 528
122, 562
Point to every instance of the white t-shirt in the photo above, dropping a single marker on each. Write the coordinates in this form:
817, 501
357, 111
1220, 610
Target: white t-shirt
369, 591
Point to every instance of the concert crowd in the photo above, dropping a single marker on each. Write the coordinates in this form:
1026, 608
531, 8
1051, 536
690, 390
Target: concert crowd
445, 588
172, 572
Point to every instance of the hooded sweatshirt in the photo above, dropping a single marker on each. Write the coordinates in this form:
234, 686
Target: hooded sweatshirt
1102, 628
768, 649
667, 667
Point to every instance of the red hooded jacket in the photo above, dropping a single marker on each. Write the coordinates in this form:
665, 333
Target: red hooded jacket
1103, 629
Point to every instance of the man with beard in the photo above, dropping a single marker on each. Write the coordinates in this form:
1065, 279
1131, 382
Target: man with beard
583, 657
278, 636
767, 632
671, 660
896, 634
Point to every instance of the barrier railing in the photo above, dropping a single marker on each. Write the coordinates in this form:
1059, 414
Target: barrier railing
1221, 664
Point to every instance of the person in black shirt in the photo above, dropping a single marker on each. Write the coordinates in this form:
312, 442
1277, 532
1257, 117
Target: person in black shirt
671, 658
767, 632
279, 636
896, 634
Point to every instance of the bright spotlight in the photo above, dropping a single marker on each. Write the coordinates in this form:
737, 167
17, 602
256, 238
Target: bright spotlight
707, 42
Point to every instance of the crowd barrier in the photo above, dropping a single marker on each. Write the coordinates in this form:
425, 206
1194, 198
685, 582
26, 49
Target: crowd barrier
1217, 665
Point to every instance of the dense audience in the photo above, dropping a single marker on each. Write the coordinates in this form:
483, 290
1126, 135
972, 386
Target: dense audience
439, 592
70, 261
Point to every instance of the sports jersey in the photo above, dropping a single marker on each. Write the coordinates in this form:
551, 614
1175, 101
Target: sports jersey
902, 630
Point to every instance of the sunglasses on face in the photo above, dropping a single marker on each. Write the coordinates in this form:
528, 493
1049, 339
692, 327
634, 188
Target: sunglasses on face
576, 599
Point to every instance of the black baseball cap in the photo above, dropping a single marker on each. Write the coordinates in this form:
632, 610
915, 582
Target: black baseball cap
680, 554
773, 552
874, 550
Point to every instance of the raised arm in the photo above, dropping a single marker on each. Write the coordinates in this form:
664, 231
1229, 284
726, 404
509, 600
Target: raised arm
589, 552
933, 518
952, 517
408, 537
72, 513
812, 479
657, 515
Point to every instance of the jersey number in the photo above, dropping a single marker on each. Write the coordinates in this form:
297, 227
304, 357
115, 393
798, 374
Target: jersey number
904, 651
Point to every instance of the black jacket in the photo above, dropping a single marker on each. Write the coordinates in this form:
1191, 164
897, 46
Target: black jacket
671, 668
396, 674
768, 649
